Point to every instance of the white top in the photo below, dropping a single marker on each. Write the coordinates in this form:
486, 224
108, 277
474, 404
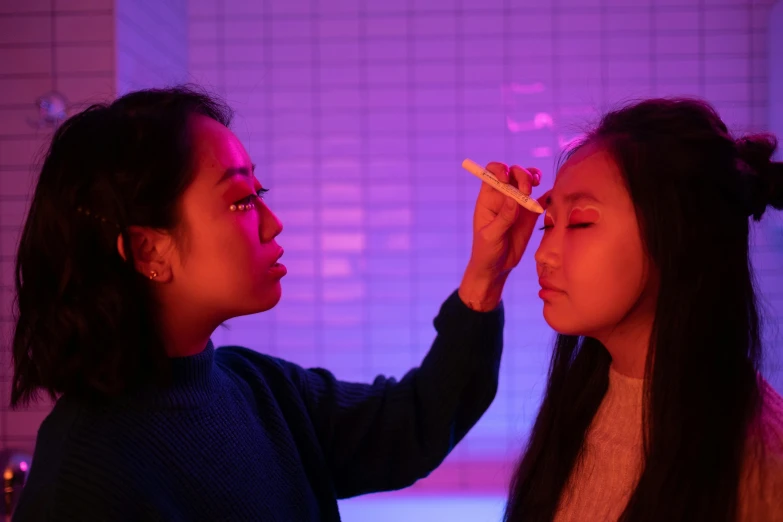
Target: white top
601, 486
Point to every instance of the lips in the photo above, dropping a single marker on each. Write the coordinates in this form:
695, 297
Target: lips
548, 290
546, 285
278, 269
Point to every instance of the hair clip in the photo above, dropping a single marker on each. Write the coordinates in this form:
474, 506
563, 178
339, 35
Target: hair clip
96, 216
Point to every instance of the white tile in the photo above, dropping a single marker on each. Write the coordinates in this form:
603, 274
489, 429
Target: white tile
731, 19
9, 245
580, 22
84, 5
446, 49
338, 6
207, 9
22, 152
201, 55
26, 61
24, 423
341, 28
488, 24
26, 29
243, 53
17, 182
83, 91
716, 67
637, 21
202, 30
737, 92
677, 19
281, 29
84, 28
246, 7
23, 90
578, 46
637, 70
85, 58
686, 44
384, 26
15, 122
623, 45
674, 69
287, 7
384, 6
732, 43
436, 24
31, 6
12, 213
678, 88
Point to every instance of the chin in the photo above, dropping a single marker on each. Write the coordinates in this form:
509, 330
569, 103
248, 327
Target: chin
561, 324
261, 301
270, 298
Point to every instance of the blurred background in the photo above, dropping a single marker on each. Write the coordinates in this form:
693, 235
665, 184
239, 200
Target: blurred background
358, 114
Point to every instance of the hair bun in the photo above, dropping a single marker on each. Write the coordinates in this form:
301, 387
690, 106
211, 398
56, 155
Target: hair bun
762, 177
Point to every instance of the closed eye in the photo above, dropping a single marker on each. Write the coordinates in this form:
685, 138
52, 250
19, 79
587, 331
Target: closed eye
575, 225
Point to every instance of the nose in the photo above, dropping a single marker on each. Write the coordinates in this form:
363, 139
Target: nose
270, 225
547, 256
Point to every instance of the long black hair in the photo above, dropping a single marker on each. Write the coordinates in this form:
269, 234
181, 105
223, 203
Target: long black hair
693, 187
84, 316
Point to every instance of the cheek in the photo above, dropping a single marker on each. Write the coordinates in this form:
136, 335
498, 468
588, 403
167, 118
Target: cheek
222, 250
605, 277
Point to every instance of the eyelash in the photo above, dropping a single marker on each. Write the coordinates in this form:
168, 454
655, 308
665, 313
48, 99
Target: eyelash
258, 195
577, 225
248, 201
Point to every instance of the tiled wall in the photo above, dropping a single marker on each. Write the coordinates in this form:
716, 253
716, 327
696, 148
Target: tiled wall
87, 50
359, 112
152, 43
45, 46
775, 46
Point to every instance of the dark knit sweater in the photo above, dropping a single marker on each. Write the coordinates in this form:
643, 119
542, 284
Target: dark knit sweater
245, 436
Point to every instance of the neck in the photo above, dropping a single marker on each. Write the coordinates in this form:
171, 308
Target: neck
184, 332
628, 344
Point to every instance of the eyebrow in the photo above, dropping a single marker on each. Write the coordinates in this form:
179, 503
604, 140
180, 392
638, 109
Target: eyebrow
573, 197
237, 171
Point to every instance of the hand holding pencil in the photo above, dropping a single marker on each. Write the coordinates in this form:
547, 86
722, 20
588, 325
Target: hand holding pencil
501, 229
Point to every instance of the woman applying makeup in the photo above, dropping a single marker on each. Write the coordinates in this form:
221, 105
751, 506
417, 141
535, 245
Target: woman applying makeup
654, 409
147, 230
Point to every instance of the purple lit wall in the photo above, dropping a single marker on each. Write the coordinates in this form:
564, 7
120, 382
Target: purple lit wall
775, 47
358, 113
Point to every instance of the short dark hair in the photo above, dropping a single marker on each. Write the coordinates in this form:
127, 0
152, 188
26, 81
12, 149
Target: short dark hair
84, 317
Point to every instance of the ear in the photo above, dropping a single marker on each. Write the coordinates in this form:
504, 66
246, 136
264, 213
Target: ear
151, 252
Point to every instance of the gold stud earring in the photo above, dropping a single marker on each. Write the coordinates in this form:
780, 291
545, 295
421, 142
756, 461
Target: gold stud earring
153, 274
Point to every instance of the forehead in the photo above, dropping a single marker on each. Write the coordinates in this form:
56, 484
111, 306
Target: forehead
216, 148
591, 169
